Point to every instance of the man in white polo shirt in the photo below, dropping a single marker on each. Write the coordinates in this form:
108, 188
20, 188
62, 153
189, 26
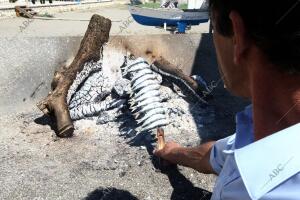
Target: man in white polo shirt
258, 50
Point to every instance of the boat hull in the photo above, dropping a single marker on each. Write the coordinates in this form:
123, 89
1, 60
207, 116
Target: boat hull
170, 17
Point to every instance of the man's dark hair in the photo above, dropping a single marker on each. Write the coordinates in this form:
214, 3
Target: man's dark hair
274, 26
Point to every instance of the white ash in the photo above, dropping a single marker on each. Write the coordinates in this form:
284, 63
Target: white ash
88, 68
94, 108
122, 87
111, 62
91, 91
167, 93
94, 89
109, 116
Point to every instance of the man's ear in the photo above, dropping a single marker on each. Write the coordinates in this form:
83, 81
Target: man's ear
240, 39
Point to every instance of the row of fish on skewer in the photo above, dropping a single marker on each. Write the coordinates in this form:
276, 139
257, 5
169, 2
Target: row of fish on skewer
145, 98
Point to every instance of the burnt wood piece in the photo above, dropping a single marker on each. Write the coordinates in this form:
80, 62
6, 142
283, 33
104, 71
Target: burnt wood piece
171, 72
96, 35
24, 11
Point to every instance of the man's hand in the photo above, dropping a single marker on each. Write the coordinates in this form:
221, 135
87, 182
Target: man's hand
195, 157
168, 152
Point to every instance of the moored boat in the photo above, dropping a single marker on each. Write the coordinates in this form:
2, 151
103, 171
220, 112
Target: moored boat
168, 16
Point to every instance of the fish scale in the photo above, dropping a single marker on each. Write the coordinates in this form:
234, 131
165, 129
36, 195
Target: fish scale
144, 85
144, 78
142, 73
153, 119
145, 102
137, 65
156, 124
153, 93
151, 113
146, 90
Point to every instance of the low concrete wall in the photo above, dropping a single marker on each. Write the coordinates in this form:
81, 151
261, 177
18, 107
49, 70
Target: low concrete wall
27, 68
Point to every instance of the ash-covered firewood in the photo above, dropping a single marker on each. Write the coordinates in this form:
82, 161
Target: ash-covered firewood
188, 85
55, 104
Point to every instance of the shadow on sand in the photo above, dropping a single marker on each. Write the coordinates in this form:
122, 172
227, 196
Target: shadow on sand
110, 194
47, 120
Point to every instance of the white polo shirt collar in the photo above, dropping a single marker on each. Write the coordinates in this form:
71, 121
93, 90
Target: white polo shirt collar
266, 163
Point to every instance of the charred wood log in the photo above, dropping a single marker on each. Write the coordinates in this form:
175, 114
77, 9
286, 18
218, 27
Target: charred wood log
55, 103
189, 86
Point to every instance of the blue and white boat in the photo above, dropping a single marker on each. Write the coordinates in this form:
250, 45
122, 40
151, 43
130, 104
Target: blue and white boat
164, 17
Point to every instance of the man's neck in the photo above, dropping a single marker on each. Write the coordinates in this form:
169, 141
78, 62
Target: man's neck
275, 98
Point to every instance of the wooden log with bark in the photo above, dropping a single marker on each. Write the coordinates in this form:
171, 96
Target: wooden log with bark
168, 67
55, 104
189, 86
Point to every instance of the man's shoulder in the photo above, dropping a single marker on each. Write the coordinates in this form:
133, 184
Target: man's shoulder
267, 163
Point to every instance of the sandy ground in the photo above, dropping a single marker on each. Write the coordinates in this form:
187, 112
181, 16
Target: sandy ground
75, 23
98, 162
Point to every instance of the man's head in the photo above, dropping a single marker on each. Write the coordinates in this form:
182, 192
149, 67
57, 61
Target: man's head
250, 29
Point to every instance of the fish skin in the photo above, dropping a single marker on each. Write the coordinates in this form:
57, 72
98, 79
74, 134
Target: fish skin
134, 62
147, 89
151, 113
153, 119
158, 123
151, 106
148, 107
146, 102
143, 78
150, 94
145, 84
141, 73
137, 66
153, 93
